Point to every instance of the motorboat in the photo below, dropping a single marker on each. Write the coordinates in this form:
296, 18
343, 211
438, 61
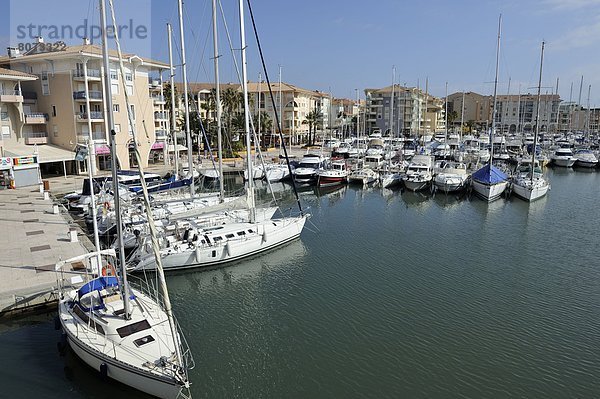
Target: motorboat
335, 173
419, 173
563, 157
450, 176
306, 172
585, 158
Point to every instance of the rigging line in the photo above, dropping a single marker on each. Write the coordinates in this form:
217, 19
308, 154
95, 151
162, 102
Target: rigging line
197, 39
253, 130
277, 121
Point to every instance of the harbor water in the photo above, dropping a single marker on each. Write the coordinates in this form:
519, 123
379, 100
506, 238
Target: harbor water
387, 294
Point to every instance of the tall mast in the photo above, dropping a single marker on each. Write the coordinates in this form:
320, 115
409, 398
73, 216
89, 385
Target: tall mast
188, 134
462, 117
571, 108
172, 80
519, 111
537, 115
579, 104
558, 106
281, 109
446, 115
258, 105
495, 90
392, 102
250, 193
114, 164
587, 115
153, 234
218, 101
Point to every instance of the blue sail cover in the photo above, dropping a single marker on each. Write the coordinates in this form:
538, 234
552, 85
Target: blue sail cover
489, 174
98, 284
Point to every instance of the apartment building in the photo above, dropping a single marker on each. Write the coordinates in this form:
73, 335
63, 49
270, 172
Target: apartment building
292, 103
514, 112
70, 90
414, 111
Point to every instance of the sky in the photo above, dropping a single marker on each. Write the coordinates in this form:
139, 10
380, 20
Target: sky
338, 46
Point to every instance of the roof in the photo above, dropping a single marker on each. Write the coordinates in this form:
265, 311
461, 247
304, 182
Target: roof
11, 74
46, 152
253, 87
92, 50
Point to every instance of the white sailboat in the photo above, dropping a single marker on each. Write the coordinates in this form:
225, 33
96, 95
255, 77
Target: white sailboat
489, 182
125, 333
531, 184
199, 246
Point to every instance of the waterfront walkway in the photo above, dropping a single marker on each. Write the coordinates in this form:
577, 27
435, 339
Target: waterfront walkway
33, 240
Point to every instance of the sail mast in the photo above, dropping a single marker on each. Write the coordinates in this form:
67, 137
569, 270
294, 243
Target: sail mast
495, 90
172, 80
151, 225
113, 156
250, 192
537, 115
186, 104
218, 100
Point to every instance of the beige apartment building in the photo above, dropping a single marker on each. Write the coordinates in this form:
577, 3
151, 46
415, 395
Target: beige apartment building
477, 108
293, 105
70, 94
413, 111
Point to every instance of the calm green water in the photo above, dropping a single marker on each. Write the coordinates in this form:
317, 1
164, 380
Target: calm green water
388, 294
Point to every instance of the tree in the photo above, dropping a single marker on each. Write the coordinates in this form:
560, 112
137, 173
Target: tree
167, 95
266, 125
313, 118
452, 116
470, 124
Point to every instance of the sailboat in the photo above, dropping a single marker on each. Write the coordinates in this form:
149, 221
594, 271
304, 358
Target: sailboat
194, 246
531, 184
489, 182
125, 333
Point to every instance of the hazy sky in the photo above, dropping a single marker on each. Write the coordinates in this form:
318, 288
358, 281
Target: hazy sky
338, 46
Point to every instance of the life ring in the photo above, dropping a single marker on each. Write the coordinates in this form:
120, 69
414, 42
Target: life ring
106, 205
109, 270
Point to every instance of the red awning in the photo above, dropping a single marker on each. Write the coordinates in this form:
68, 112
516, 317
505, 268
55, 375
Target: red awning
159, 145
102, 150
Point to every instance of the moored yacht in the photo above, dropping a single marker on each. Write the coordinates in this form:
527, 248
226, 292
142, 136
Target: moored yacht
306, 172
450, 176
563, 157
585, 158
335, 173
419, 173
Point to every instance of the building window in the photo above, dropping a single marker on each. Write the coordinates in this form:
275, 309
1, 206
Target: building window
45, 84
54, 110
117, 128
129, 90
114, 75
132, 111
116, 108
114, 88
55, 130
129, 77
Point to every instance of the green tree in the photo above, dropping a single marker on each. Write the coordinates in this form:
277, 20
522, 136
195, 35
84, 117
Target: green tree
313, 119
266, 125
452, 116
470, 124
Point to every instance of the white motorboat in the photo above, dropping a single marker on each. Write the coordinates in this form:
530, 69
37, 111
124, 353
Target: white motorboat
277, 172
450, 176
563, 157
585, 158
364, 176
306, 172
419, 173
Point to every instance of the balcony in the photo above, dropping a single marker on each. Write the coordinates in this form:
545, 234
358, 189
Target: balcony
96, 136
158, 99
93, 95
36, 138
153, 83
94, 116
161, 116
161, 134
11, 96
29, 96
92, 74
36, 118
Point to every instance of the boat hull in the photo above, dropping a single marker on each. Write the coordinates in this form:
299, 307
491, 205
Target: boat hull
530, 192
271, 237
564, 162
416, 185
489, 192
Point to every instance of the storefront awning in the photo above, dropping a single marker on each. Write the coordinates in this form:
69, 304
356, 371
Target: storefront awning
159, 145
179, 148
46, 153
102, 149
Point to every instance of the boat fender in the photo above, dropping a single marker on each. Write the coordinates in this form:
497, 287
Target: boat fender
104, 370
109, 270
198, 254
264, 236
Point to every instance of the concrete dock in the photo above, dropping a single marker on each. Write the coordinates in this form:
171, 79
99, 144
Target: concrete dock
34, 239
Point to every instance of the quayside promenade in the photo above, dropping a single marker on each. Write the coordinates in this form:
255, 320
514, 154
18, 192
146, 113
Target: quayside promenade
33, 239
